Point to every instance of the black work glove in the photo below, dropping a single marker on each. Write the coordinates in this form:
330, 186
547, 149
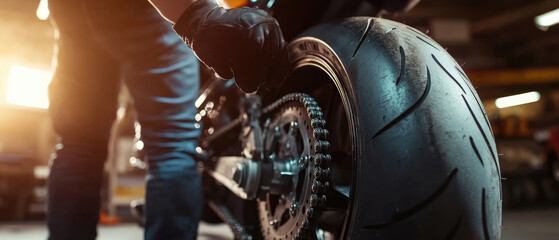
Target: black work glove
245, 43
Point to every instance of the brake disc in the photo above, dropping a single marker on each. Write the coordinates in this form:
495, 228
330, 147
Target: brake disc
296, 142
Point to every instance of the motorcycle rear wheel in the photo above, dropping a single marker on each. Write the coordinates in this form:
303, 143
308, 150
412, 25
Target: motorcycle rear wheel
413, 156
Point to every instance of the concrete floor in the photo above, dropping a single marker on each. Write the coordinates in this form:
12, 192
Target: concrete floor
541, 224
123, 231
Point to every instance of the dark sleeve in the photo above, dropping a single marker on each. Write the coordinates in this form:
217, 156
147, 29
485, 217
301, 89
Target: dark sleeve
393, 5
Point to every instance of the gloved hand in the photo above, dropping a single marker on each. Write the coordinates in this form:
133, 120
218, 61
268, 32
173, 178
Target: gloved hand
245, 43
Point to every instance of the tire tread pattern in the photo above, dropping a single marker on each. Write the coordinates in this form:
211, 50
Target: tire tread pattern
447, 73
409, 110
370, 24
402, 65
425, 41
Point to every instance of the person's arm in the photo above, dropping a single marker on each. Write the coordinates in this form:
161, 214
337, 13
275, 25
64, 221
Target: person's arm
244, 43
171, 9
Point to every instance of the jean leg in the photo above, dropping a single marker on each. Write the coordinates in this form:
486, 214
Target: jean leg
76, 172
82, 96
162, 76
164, 98
74, 191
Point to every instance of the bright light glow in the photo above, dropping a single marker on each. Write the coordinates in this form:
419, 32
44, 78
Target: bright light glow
518, 99
120, 112
43, 10
41, 172
548, 19
28, 87
140, 145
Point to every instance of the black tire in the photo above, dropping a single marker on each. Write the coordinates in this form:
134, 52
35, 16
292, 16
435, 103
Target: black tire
424, 164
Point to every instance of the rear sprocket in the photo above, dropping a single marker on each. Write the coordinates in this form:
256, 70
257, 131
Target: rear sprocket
297, 143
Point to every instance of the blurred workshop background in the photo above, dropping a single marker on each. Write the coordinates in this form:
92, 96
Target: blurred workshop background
508, 49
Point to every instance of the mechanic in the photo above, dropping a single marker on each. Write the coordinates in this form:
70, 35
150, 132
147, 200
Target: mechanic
99, 43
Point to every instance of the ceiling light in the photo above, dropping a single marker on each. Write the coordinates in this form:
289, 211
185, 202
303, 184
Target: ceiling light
43, 10
518, 99
548, 19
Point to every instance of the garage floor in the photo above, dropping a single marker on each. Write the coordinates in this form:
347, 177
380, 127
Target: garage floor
123, 231
542, 224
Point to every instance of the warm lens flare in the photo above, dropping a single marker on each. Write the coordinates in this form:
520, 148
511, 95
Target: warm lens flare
28, 87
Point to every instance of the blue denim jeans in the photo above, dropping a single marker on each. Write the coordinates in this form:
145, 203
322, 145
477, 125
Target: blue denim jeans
100, 43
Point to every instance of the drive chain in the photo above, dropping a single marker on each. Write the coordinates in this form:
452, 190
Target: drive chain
321, 160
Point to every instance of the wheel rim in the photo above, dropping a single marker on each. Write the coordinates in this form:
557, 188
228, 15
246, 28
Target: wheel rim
311, 53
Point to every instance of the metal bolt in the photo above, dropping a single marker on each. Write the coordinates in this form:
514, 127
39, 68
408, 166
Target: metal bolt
304, 162
274, 223
282, 199
277, 131
293, 209
272, 156
293, 127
